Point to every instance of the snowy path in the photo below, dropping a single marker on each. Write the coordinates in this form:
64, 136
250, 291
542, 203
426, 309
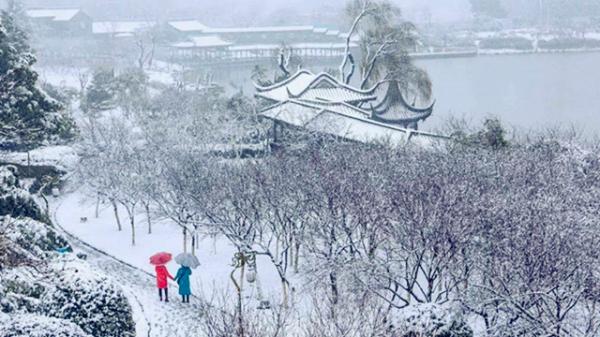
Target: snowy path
152, 317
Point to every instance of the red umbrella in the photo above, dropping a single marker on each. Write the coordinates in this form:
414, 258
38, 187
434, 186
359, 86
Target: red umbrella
159, 259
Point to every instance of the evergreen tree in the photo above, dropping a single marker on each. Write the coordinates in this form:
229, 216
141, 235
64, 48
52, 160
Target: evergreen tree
28, 117
100, 95
132, 90
15, 34
16, 9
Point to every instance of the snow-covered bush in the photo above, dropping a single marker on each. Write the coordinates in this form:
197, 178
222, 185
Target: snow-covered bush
34, 279
36, 237
20, 292
15, 201
88, 299
431, 320
31, 325
67, 288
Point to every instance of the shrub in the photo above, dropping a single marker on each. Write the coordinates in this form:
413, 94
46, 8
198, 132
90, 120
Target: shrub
30, 325
88, 299
430, 320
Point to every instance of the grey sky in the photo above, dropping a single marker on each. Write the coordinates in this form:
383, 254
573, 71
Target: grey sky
248, 12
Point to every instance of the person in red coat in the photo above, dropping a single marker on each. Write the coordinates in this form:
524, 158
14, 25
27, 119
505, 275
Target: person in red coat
161, 281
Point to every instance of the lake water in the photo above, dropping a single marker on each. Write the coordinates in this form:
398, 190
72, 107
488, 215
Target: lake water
526, 91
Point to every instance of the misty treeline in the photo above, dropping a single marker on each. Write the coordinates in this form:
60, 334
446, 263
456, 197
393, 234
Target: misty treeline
479, 229
549, 10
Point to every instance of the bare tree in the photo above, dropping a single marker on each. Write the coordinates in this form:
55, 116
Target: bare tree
384, 46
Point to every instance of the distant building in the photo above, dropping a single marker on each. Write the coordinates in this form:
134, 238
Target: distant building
188, 26
320, 103
121, 29
203, 44
184, 41
54, 22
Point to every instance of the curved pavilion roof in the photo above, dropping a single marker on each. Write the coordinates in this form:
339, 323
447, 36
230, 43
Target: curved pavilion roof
394, 108
322, 87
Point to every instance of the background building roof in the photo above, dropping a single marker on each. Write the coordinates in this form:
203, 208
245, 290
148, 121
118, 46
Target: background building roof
54, 14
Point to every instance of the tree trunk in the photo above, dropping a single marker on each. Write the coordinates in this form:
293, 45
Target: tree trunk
334, 288
194, 238
352, 69
116, 210
284, 290
296, 257
151, 56
132, 221
357, 20
97, 210
147, 207
238, 287
240, 314
290, 257
242, 272
184, 239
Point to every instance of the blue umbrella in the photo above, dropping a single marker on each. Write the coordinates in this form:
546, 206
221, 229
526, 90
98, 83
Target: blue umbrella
187, 260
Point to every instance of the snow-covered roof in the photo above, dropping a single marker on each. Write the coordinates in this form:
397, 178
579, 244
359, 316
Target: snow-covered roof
188, 25
207, 41
394, 108
345, 121
320, 30
339, 94
121, 27
54, 14
318, 88
281, 91
265, 29
293, 113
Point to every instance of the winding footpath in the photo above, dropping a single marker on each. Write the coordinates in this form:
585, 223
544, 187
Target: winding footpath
152, 317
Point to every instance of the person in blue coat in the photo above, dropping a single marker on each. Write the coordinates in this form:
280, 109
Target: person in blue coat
183, 280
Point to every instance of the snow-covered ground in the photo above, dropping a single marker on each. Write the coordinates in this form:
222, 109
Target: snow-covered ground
64, 76
152, 317
61, 76
215, 255
61, 157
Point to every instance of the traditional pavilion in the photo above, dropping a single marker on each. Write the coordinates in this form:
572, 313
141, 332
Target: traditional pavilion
321, 103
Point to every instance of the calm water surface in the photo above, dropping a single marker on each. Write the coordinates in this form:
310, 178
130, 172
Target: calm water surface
526, 91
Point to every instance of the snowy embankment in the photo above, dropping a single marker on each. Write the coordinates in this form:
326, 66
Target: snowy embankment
535, 51
63, 158
72, 77
215, 254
